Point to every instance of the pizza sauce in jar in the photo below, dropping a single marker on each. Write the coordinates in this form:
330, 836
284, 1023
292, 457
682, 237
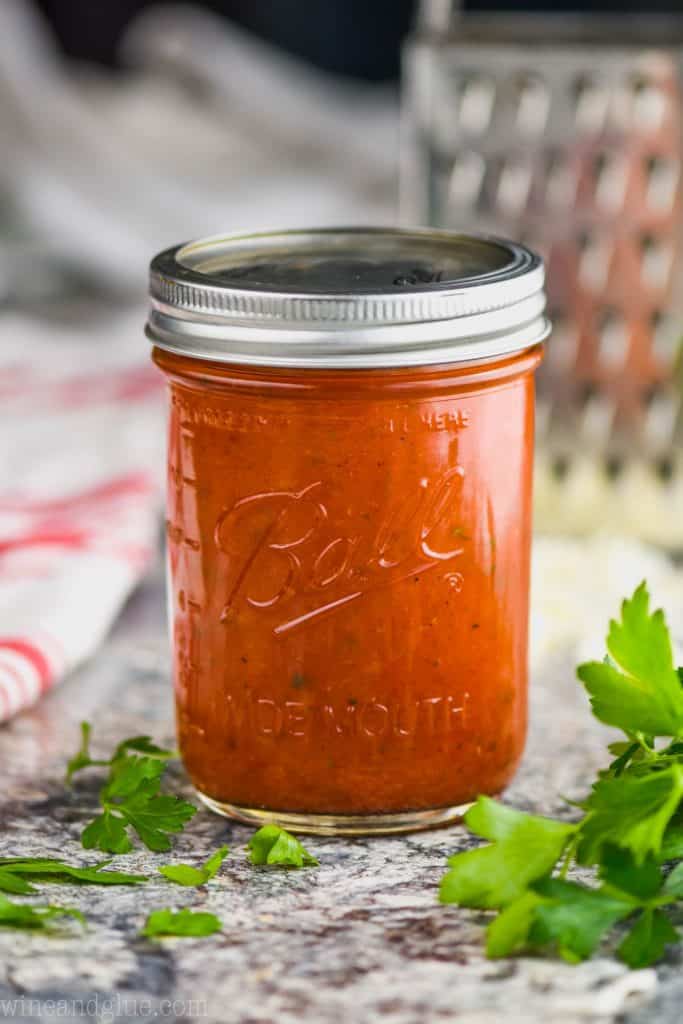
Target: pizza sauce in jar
349, 511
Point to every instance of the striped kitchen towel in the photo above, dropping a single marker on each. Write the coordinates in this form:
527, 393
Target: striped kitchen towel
81, 449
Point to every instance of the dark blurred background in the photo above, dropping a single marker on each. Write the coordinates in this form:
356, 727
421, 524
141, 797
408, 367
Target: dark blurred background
359, 38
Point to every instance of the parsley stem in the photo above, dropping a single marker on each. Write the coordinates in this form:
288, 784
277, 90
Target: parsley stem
570, 850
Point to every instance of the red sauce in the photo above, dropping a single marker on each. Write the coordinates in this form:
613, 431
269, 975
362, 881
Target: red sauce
349, 575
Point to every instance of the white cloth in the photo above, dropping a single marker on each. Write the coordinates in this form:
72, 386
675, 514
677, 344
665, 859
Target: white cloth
82, 440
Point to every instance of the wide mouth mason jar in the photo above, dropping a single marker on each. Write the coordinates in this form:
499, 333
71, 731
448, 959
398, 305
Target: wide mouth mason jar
349, 509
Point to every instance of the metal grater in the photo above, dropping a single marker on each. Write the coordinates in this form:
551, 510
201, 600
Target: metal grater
567, 133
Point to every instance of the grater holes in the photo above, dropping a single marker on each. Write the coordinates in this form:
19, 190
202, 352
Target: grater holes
664, 468
667, 336
590, 104
514, 185
543, 413
564, 342
560, 466
594, 261
655, 261
466, 179
560, 178
661, 409
614, 466
610, 171
648, 103
474, 104
661, 177
613, 340
597, 416
532, 104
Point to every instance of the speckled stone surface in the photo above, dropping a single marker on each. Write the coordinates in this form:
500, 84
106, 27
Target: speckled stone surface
359, 939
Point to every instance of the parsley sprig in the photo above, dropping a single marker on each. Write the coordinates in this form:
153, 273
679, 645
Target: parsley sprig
275, 846
186, 874
186, 923
632, 822
131, 796
37, 918
14, 872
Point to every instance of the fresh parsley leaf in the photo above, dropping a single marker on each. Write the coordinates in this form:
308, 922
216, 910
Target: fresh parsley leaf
180, 922
131, 797
53, 870
492, 820
128, 774
136, 744
508, 933
106, 832
496, 875
185, 874
626, 753
14, 883
647, 940
641, 691
619, 870
632, 811
143, 745
575, 918
273, 845
22, 915
672, 843
154, 816
673, 883
82, 758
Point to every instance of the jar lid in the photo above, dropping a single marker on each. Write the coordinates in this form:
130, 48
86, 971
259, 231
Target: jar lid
347, 298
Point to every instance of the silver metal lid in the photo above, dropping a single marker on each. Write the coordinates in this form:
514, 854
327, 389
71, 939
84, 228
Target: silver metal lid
347, 298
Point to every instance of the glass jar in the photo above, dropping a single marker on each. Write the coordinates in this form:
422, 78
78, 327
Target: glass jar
349, 488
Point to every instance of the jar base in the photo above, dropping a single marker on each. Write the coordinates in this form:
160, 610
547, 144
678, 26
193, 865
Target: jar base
339, 824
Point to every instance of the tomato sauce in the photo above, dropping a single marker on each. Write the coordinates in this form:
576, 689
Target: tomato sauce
349, 582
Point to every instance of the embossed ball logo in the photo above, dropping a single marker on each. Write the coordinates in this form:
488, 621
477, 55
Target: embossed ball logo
286, 550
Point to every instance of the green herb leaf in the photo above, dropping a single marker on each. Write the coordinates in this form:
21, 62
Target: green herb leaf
154, 816
575, 918
508, 933
493, 820
672, 843
106, 832
673, 883
641, 692
185, 874
131, 797
181, 922
14, 883
22, 915
632, 811
626, 753
273, 845
129, 773
647, 940
143, 745
620, 871
52, 870
496, 875
82, 758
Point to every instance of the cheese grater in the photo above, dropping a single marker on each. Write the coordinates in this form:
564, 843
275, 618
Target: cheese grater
566, 132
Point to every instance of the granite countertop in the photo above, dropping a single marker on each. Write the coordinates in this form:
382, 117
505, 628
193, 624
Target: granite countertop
359, 939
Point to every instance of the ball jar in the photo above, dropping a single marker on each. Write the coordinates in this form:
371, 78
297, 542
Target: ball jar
349, 510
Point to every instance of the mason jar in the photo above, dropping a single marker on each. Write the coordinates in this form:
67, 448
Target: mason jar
350, 445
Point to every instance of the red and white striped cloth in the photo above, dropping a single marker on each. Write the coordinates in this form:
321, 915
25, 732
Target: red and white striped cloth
81, 449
